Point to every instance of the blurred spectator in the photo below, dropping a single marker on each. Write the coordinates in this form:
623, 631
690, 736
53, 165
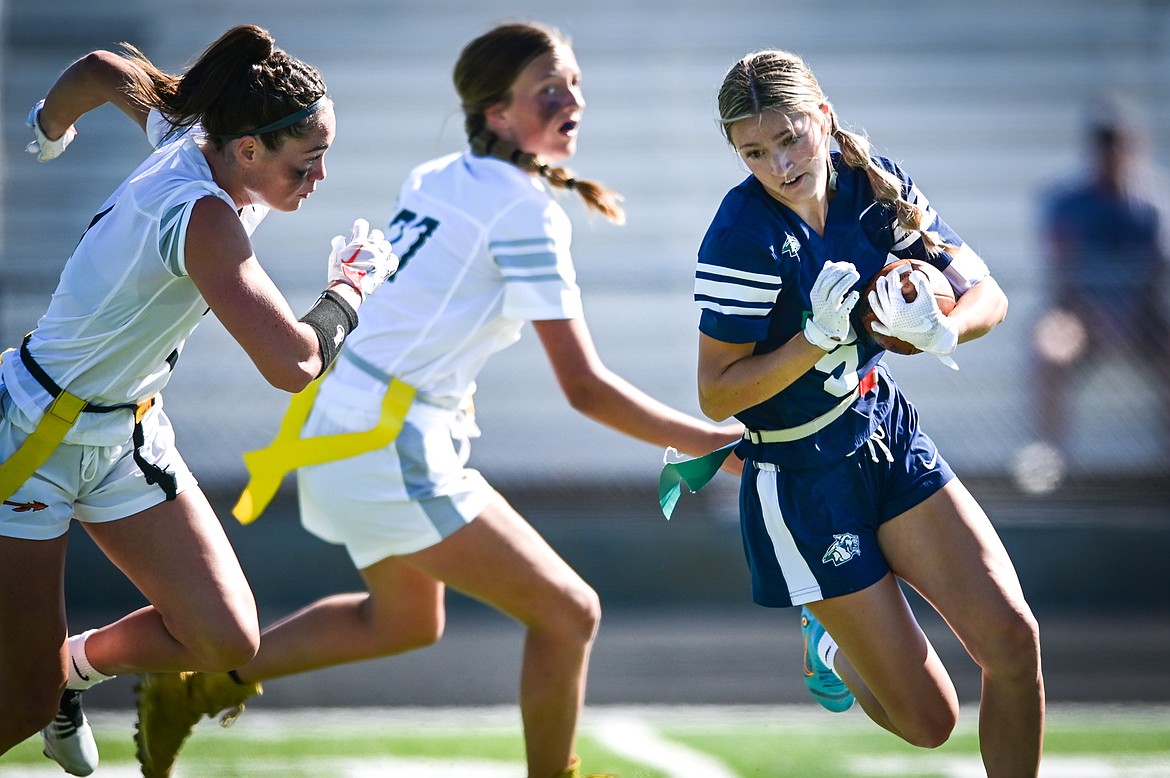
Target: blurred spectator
1104, 234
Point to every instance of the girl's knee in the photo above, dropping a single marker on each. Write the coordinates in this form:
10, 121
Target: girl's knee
412, 630
572, 615
1024, 635
928, 726
930, 734
923, 709
237, 649
223, 645
1011, 647
583, 613
218, 657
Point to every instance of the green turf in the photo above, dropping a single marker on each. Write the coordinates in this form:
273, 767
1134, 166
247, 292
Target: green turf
831, 751
793, 742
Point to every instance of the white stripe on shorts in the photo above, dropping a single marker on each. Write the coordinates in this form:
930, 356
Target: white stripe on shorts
802, 584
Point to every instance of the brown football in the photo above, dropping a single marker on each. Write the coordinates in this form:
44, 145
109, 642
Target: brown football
938, 284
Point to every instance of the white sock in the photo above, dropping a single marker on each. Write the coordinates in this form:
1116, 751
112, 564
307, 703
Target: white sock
827, 651
82, 674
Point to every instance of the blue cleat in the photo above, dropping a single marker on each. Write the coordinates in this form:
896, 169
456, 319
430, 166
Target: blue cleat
825, 686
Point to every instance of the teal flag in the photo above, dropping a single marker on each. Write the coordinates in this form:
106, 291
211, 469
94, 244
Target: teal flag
694, 472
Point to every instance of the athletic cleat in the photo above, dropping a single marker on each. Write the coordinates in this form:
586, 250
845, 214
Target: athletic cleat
825, 686
69, 739
171, 704
574, 771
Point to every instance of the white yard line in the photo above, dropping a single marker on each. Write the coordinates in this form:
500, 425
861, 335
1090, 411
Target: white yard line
632, 737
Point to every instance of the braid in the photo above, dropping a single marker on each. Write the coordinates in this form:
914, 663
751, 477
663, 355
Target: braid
242, 81
597, 197
302, 83
855, 150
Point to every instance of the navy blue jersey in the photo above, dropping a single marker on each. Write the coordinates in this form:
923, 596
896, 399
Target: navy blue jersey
757, 264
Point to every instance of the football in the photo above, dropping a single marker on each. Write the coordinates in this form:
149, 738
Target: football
943, 294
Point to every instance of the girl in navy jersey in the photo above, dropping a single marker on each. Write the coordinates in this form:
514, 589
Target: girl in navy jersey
485, 248
82, 431
843, 495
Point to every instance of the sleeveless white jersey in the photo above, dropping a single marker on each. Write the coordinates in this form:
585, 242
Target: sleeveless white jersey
124, 302
483, 249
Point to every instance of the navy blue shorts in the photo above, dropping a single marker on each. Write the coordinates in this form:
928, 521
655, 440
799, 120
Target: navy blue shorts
812, 534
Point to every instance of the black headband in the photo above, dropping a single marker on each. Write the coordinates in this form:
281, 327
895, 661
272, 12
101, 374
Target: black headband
280, 124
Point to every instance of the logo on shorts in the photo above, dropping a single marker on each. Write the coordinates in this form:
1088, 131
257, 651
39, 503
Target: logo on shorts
21, 507
844, 548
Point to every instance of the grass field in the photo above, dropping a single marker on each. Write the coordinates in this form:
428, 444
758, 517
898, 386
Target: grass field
633, 742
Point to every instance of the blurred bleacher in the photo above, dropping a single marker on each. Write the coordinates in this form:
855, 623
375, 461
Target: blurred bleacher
982, 103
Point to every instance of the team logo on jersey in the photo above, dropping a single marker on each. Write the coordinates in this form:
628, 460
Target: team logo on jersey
844, 548
791, 245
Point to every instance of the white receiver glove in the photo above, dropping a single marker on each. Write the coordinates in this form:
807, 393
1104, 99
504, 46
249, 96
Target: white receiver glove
831, 302
364, 261
919, 323
44, 148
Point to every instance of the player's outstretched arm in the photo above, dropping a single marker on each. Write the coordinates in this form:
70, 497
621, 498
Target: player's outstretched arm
597, 392
98, 78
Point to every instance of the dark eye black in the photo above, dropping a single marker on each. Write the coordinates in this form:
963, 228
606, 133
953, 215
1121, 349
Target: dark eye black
304, 172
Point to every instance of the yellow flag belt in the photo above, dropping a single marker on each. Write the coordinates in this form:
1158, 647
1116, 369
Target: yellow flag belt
55, 424
57, 420
267, 467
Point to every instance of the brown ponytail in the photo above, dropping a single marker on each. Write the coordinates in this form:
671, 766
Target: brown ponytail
239, 83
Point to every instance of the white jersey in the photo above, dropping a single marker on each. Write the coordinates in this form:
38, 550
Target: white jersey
124, 303
483, 248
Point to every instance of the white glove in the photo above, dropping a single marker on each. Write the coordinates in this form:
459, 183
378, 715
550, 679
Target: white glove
363, 262
44, 148
831, 302
919, 323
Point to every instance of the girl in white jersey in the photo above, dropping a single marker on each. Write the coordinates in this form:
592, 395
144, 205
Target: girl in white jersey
82, 431
484, 248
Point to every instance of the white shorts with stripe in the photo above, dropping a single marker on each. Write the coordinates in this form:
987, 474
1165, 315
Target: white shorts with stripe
396, 500
93, 484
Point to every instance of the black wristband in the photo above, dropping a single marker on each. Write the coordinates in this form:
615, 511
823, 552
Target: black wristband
332, 318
